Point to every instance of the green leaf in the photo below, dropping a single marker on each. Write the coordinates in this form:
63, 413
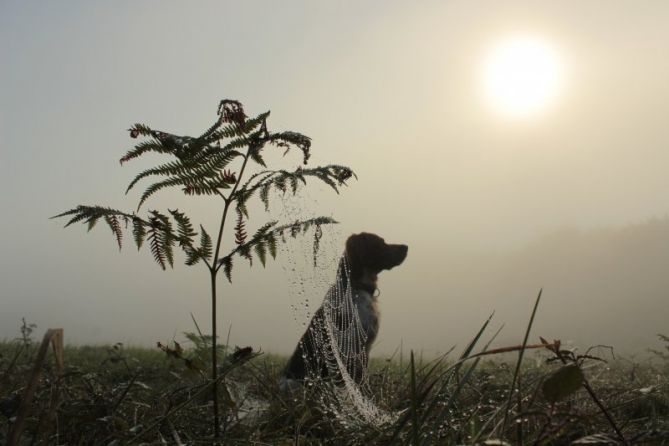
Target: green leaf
563, 382
198, 184
271, 244
205, 243
264, 195
241, 207
227, 267
208, 162
142, 129
184, 227
255, 156
267, 237
143, 147
163, 239
138, 231
192, 256
168, 243
155, 242
261, 252
115, 226
92, 221
263, 229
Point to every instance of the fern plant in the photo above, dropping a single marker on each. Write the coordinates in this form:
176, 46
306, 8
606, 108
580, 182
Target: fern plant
203, 166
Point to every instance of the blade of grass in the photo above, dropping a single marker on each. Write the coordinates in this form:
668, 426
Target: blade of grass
456, 367
414, 403
461, 384
199, 332
405, 419
517, 371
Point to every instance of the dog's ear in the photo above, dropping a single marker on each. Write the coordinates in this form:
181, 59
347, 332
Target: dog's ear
355, 252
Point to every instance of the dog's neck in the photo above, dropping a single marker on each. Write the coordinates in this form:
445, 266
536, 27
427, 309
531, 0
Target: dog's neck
367, 282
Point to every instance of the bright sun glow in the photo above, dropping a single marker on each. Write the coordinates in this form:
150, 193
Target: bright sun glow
522, 76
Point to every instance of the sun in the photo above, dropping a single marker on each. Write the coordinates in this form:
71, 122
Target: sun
522, 76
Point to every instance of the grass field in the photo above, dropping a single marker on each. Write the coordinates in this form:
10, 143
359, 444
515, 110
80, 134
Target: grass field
112, 395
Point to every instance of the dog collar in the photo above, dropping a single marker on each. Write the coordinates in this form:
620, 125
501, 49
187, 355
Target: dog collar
369, 288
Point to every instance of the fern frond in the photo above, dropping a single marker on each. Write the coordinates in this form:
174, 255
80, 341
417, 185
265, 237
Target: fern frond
164, 237
228, 131
261, 252
264, 195
232, 111
138, 231
240, 230
325, 178
259, 121
226, 262
92, 221
229, 177
191, 183
184, 228
206, 246
140, 130
217, 131
140, 149
215, 126
192, 256
115, 226
85, 213
205, 189
168, 243
155, 241
264, 229
206, 162
332, 175
255, 156
265, 238
289, 140
271, 244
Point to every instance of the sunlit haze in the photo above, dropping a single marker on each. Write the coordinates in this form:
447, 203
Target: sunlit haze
522, 76
511, 145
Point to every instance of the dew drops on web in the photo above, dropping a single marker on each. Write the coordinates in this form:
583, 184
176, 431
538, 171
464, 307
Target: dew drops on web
337, 338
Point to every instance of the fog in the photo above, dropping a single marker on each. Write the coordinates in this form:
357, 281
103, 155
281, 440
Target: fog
573, 200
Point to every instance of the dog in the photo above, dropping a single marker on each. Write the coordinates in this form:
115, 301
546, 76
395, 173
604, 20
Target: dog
365, 256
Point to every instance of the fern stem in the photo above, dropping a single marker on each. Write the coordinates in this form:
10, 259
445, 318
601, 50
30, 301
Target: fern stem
214, 270
214, 362
228, 202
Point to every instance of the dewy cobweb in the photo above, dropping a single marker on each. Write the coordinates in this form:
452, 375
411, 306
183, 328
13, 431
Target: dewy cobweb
338, 339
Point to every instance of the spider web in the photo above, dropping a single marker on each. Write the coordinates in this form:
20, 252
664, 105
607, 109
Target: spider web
337, 338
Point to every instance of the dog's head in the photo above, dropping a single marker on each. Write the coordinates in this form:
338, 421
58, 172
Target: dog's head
368, 254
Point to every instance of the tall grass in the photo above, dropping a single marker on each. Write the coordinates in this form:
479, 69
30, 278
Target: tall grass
112, 395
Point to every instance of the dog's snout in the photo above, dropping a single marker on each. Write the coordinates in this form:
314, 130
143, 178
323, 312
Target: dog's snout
403, 250
399, 253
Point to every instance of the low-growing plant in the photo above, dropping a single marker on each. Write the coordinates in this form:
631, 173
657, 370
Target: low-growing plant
664, 353
202, 166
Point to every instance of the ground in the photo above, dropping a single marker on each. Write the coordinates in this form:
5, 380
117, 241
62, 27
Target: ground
112, 395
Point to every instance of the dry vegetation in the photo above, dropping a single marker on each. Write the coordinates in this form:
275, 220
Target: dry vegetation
118, 395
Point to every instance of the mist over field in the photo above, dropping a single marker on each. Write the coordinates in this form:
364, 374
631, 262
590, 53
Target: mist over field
573, 200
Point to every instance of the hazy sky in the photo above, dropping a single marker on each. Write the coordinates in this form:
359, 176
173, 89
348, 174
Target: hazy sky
392, 89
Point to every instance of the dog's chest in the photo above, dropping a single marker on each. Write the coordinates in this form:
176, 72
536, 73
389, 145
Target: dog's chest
368, 312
